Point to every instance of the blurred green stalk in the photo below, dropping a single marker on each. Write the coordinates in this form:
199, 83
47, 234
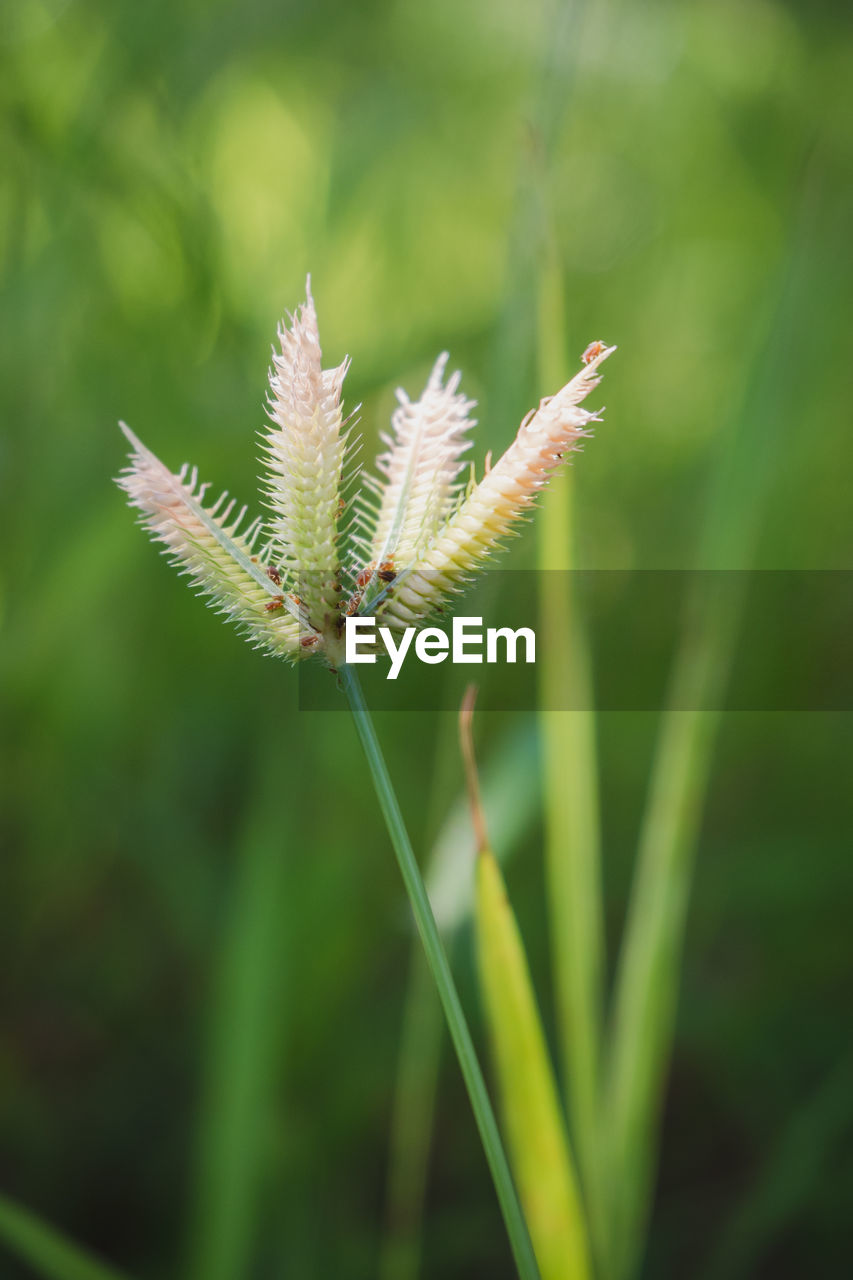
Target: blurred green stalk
411, 1123
646, 989
648, 978
570, 783
44, 1249
509, 781
437, 959
242, 1041
541, 1153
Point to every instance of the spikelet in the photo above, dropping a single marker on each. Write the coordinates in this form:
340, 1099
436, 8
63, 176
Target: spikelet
420, 469
491, 508
305, 450
204, 543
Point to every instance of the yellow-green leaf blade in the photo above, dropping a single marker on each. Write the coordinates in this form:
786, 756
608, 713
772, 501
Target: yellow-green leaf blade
539, 1150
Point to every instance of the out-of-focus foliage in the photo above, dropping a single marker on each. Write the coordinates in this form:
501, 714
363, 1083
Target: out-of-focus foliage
168, 174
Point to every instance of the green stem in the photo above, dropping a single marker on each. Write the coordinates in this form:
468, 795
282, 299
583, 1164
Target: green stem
438, 963
570, 780
510, 779
49, 1253
411, 1123
243, 1042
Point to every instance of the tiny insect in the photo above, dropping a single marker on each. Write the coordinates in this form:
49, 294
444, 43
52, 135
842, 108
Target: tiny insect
308, 642
385, 572
353, 603
294, 599
273, 574
365, 575
593, 351
274, 605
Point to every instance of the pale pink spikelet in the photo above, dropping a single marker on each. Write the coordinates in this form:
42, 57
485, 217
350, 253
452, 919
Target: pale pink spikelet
419, 471
205, 543
305, 449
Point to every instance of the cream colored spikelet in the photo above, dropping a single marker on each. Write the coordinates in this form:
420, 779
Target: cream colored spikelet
305, 449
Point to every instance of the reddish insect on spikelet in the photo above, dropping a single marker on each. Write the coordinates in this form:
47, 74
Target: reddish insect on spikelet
593, 351
365, 575
385, 572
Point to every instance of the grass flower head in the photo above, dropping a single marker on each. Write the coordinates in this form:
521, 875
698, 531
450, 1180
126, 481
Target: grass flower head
416, 532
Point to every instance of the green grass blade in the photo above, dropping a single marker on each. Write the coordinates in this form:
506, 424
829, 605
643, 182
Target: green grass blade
648, 980
533, 1118
437, 959
45, 1249
243, 1038
411, 1124
570, 787
646, 989
510, 778
530, 1104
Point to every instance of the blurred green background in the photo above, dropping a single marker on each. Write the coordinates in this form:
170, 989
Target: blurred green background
203, 941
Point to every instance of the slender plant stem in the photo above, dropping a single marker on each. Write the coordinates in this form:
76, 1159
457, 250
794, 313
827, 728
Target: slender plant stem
509, 779
49, 1253
438, 963
570, 782
415, 1086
